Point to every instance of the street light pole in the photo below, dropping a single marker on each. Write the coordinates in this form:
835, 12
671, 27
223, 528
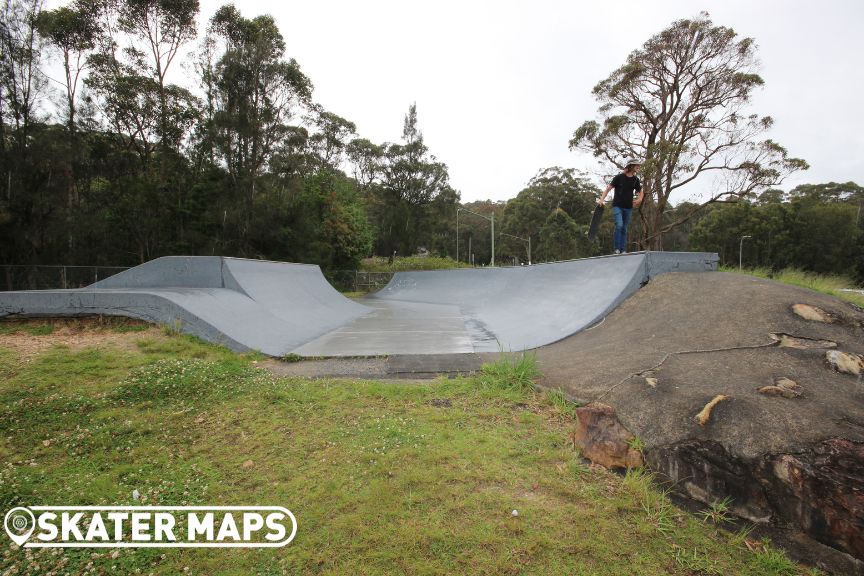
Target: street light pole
457, 235
741, 252
493, 238
528, 240
492, 220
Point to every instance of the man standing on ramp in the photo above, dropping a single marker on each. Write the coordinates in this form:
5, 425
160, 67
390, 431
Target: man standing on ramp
625, 184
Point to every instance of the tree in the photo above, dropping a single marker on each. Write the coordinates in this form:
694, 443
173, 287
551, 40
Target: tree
73, 30
330, 141
550, 190
680, 104
163, 26
255, 93
26, 204
815, 230
561, 238
411, 179
367, 159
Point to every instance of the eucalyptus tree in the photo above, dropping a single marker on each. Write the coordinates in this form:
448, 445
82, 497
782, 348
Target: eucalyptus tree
680, 103
21, 78
73, 30
26, 208
256, 93
411, 178
160, 29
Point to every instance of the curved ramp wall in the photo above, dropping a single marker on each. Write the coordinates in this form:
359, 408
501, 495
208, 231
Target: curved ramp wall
530, 306
276, 307
272, 307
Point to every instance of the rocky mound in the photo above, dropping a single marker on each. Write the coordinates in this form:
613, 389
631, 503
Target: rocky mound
739, 388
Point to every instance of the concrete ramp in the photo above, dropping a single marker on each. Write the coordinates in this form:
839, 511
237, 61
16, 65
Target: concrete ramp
272, 307
508, 308
280, 308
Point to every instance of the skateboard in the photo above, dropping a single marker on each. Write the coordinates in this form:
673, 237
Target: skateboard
596, 218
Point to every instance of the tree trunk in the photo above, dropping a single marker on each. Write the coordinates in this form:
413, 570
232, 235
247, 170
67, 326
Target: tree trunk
652, 222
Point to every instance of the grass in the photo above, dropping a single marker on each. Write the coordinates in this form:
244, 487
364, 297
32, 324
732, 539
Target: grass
512, 371
717, 512
407, 263
826, 283
382, 480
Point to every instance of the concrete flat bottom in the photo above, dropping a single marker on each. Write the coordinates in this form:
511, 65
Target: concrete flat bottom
396, 328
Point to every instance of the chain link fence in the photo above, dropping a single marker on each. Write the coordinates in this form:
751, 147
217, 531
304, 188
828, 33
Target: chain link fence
39, 277
357, 280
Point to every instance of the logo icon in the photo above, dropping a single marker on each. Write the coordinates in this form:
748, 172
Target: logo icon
19, 524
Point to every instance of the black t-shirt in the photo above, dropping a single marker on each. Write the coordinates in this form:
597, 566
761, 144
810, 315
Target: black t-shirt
624, 187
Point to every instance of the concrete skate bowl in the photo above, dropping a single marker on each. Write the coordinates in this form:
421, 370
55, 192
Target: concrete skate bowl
790, 457
279, 308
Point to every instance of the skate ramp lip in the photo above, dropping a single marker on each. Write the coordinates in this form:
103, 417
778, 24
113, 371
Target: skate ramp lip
279, 308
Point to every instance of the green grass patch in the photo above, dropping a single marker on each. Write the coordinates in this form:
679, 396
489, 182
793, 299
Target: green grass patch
514, 371
31, 327
408, 263
384, 478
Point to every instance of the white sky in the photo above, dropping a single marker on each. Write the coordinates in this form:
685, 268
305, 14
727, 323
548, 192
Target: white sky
501, 85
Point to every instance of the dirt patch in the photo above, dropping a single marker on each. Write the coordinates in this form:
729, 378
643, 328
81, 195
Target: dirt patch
28, 338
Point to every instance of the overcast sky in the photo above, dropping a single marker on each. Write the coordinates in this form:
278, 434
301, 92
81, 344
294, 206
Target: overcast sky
500, 86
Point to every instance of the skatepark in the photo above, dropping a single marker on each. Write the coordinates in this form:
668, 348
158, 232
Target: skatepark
280, 308
639, 342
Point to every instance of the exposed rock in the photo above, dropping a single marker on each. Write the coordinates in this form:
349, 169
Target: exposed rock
815, 497
801, 343
812, 313
707, 472
845, 362
652, 382
603, 439
705, 414
822, 491
782, 387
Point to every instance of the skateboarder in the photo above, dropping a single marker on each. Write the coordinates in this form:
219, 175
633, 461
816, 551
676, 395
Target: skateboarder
623, 203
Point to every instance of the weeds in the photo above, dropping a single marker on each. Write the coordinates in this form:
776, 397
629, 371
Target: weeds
174, 328
557, 399
717, 512
654, 503
513, 371
772, 561
407, 263
696, 562
637, 444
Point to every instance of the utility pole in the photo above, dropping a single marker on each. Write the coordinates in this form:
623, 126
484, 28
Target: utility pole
741, 252
492, 220
528, 240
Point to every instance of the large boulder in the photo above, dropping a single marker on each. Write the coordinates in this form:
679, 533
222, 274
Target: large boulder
785, 443
603, 440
